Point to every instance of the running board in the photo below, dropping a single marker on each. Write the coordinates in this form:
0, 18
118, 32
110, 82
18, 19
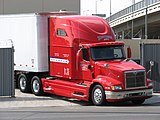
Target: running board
78, 94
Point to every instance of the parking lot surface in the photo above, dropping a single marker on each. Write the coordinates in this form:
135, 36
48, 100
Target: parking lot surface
30, 100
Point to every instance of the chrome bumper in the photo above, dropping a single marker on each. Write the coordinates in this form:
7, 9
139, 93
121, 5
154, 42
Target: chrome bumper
128, 94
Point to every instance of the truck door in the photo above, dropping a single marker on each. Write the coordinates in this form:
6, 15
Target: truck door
85, 64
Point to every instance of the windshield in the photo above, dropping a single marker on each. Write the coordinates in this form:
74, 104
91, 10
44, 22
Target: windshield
107, 53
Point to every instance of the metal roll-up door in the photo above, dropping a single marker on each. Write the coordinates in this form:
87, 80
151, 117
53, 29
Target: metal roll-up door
7, 68
151, 52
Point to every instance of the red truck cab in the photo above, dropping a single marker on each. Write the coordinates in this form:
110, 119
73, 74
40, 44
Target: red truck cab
87, 63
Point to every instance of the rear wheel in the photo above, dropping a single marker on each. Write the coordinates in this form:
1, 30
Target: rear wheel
36, 86
98, 95
24, 83
138, 102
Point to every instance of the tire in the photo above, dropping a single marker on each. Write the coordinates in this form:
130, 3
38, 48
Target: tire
36, 86
138, 102
98, 95
16, 81
23, 83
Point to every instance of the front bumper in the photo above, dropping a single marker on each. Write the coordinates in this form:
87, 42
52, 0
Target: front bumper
132, 94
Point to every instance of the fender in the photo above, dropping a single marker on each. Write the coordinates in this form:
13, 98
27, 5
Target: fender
106, 82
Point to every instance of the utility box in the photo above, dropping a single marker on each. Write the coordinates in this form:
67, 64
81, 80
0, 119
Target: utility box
7, 68
150, 52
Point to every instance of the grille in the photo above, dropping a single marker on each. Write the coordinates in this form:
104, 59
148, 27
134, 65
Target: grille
135, 79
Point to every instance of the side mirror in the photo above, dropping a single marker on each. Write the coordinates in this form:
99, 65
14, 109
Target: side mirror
151, 63
129, 52
78, 58
150, 70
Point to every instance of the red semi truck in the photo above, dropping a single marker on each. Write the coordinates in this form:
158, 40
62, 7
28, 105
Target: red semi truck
73, 56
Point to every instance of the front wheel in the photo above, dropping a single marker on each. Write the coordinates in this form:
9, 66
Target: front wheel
36, 86
98, 95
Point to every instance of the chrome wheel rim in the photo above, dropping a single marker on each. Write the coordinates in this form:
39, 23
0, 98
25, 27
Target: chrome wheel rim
97, 95
23, 83
36, 86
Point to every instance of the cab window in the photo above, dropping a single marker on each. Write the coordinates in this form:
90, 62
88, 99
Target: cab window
61, 32
85, 54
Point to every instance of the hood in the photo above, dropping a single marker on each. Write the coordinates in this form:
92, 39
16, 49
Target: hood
113, 70
120, 65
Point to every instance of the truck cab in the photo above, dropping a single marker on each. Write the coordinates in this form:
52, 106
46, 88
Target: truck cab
91, 65
113, 73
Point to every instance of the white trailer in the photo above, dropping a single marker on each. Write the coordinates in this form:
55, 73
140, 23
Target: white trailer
29, 33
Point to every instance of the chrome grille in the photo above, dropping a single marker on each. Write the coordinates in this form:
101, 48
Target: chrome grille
135, 79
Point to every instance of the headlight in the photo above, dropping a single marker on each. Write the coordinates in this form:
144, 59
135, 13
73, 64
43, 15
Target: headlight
117, 87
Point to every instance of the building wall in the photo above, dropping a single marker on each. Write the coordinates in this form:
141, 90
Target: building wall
135, 45
1, 6
29, 6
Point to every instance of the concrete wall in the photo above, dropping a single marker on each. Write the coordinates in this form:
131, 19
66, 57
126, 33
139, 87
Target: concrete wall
28, 6
135, 46
1, 7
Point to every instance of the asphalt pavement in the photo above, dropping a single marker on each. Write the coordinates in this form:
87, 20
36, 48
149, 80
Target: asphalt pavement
29, 100
27, 106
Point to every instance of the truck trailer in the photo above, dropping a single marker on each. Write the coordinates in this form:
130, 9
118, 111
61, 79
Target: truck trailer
73, 56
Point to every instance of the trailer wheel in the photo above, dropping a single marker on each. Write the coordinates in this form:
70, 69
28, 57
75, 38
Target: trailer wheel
98, 95
36, 86
23, 83
138, 102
